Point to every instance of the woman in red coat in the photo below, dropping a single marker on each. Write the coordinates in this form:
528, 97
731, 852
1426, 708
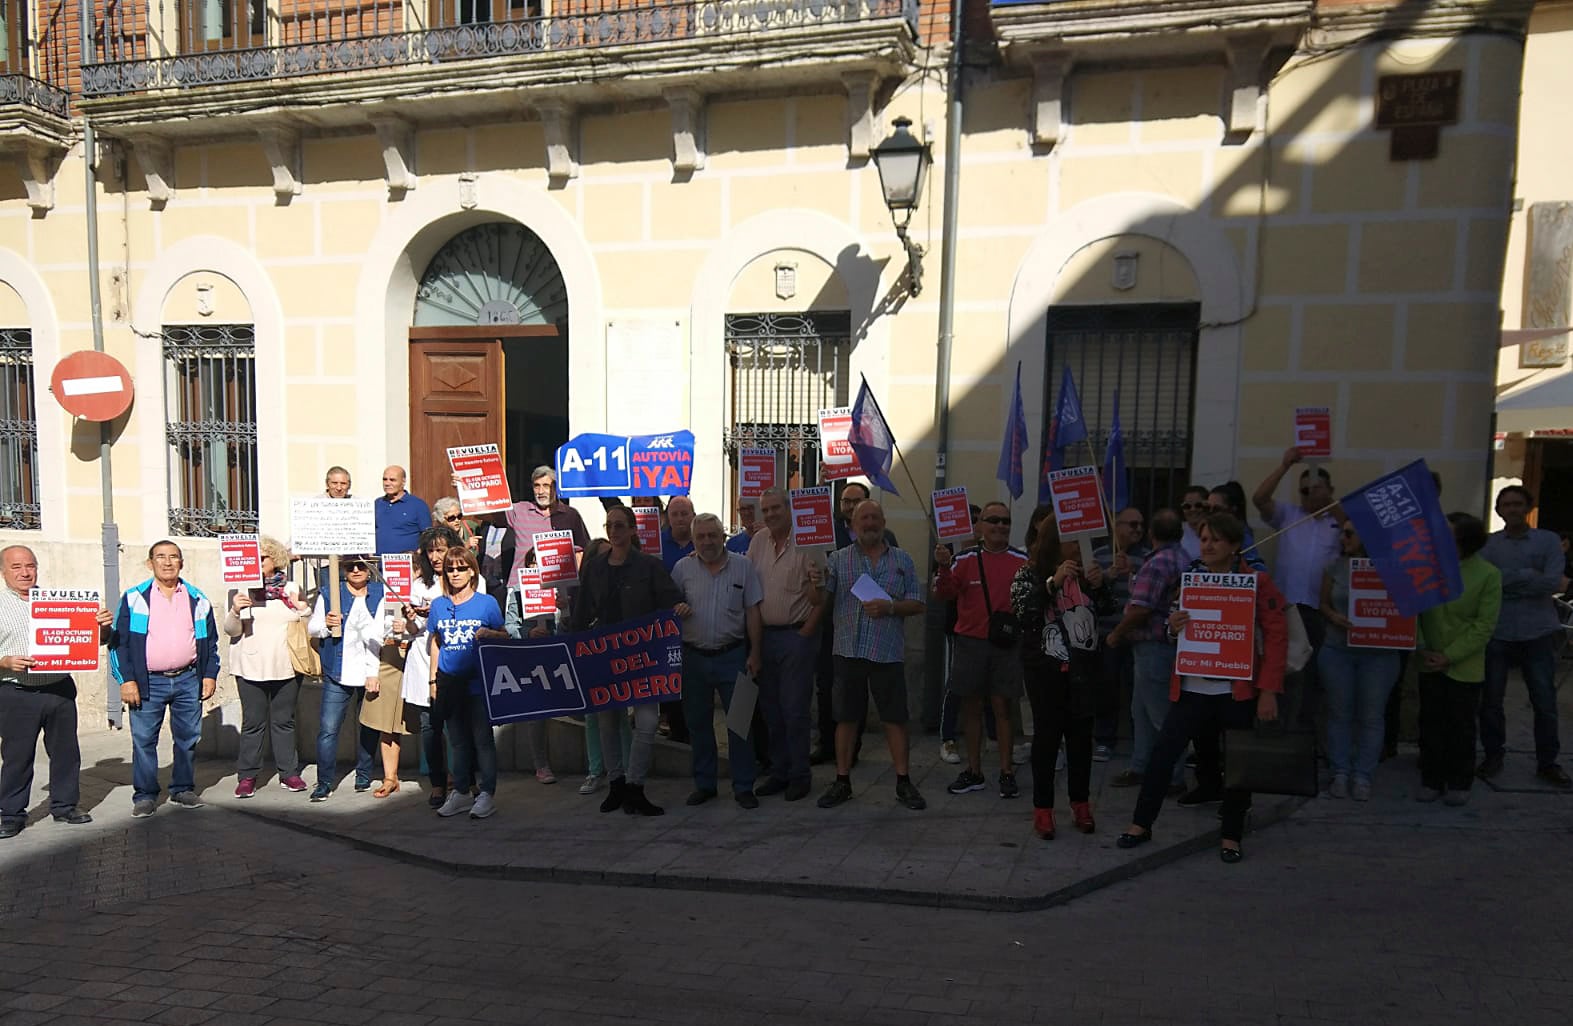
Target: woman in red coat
1203, 704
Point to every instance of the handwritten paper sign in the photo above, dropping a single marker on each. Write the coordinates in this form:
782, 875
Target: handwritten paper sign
811, 513
1313, 432
398, 577
952, 516
1374, 617
240, 560
1220, 640
62, 630
756, 471
1078, 506
647, 527
535, 600
482, 485
320, 526
554, 556
836, 458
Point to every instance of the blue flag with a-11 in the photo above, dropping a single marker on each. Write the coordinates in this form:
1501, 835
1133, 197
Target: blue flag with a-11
594, 465
1401, 524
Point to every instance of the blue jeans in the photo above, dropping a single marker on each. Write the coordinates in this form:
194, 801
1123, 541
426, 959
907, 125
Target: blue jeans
336, 702
705, 676
1152, 664
182, 696
1356, 682
469, 730
1537, 660
592, 742
786, 684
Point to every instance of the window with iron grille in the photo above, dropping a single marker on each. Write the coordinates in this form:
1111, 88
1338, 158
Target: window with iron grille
785, 368
210, 398
1149, 352
18, 432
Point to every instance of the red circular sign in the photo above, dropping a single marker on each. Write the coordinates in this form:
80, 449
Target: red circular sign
91, 385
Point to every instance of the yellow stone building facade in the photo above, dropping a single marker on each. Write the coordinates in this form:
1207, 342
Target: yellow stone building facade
1199, 186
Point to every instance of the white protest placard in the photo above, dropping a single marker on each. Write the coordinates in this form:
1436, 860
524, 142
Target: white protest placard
320, 526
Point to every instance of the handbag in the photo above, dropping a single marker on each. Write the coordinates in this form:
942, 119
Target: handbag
1004, 628
303, 655
1299, 641
1269, 759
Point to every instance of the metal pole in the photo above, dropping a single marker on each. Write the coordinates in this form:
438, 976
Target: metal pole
106, 475
934, 647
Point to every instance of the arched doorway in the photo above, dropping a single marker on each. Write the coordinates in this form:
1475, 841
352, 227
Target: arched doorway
488, 354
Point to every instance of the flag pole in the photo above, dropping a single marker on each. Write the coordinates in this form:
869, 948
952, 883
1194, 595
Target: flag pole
1110, 513
1288, 527
895, 447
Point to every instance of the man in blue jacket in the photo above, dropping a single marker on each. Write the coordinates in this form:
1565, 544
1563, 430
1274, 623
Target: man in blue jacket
164, 654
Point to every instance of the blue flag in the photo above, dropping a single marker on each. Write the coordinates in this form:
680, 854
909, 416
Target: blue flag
1116, 475
1401, 523
871, 439
1015, 442
1066, 427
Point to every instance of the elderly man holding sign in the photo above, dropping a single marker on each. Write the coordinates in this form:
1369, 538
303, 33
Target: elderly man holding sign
33, 703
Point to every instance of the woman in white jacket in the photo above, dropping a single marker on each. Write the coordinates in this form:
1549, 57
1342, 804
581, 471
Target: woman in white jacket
257, 621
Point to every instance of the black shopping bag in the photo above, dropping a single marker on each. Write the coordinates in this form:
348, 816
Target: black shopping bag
1270, 760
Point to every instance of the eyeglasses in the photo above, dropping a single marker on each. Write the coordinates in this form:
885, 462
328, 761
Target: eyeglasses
457, 570
1348, 533
1305, 489
1188, 506
615, 524
1131, 523
350, 568
453, 519
1004, 521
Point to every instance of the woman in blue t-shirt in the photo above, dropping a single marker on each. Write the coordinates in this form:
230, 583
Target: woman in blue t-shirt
459, 618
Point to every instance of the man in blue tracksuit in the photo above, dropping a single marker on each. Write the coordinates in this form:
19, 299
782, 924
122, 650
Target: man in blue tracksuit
164, 654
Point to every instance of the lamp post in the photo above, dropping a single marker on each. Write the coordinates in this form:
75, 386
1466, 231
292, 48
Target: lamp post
903, 163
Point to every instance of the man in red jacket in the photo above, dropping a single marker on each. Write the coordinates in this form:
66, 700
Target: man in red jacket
982, 666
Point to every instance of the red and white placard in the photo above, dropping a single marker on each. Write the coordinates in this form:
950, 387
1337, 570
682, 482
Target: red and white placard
952, 515
756, 471
554, 556
1220, 640
398, 577
1078, 506
1374, 620
836, 458
240, 560
482, 485
811, 523
62, 630
535, 600
647, 526
1313, 432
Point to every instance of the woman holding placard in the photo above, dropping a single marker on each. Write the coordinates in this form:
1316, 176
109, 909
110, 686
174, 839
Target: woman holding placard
459, 619
257, 622
1205, 704
1357, 679
1056, 600
410, 622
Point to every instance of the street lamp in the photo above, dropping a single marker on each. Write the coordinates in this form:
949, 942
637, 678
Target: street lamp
903, 164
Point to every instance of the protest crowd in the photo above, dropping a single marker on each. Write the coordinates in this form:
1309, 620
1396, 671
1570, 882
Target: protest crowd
1173, 615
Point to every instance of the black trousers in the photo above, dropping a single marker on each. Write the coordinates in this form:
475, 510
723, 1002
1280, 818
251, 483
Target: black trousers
1447, 732
1194, 716
24, 712
267, 707
1056, 716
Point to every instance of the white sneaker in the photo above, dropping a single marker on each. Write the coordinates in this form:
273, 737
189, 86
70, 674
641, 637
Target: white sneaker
592, 784
545, 775
948, 753
1338, 787
456, 804
1021, 753
484, 806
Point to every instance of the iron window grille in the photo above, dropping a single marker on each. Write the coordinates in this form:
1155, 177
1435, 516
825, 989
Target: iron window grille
211, 411
19, 508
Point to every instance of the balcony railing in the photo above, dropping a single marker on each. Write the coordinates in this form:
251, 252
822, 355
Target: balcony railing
150, 44
30, 92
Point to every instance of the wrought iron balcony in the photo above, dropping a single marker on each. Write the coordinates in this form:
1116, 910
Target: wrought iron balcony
159, 45
22, 91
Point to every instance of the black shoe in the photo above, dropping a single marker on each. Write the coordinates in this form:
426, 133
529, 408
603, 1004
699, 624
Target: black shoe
1555, 775
616, 791
967, 781
797, 790
1200, 796
699, 795
636, 804
11, 827
1230, 856
770, 786
907, 793
1133, 840
321, 792
839, 791
73, 816
1489, 767
1008, 788
821, 755
746, 799
362, 785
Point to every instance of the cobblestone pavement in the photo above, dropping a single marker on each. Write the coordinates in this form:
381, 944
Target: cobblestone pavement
1382, 912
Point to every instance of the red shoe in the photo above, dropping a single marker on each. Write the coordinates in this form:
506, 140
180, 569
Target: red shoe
246, 787
1043, 823
1081, 815
294, 783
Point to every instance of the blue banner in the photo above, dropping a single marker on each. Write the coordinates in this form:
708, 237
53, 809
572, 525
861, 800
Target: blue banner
871, 439
594, 465
628, 663
1014, 444
1400, 521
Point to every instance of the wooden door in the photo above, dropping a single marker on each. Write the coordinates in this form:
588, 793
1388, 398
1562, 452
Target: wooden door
456, 398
